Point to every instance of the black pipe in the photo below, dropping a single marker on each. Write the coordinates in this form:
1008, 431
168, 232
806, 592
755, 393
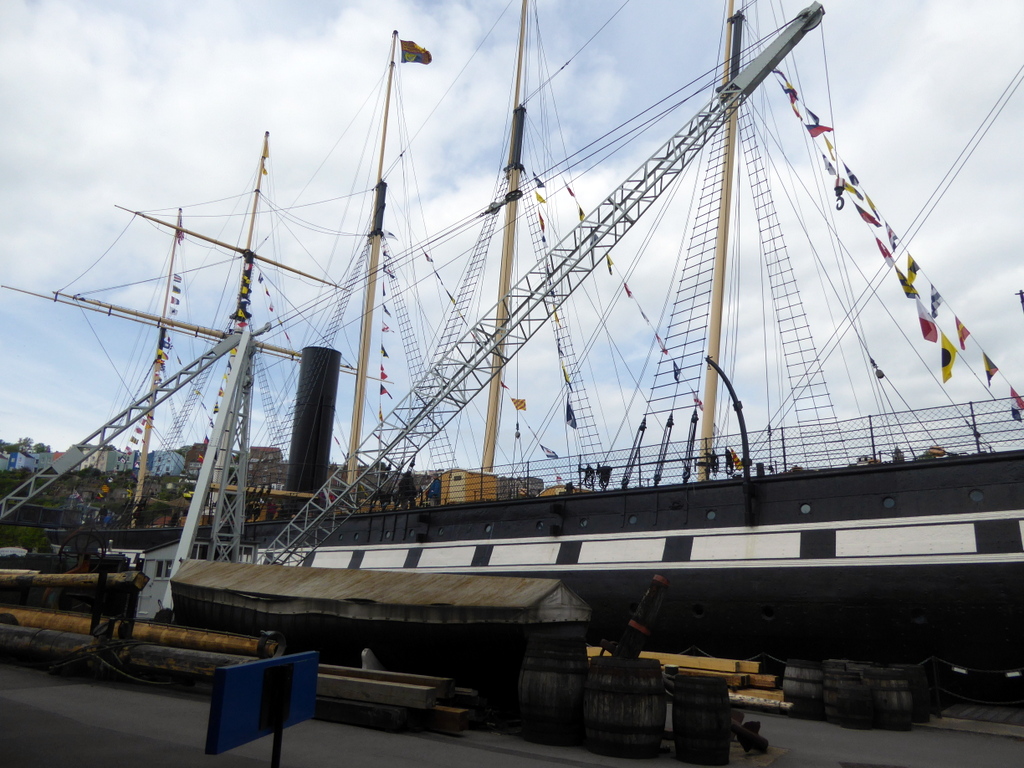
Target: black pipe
748, 486
315, 398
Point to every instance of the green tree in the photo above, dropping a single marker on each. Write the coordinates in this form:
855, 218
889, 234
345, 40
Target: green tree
20, 445
32, 539
41, 448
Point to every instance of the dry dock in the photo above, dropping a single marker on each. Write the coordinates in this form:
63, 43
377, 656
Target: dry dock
56, 722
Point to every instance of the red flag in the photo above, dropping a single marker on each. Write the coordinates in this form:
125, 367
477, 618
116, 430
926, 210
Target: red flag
867, 216
886, 254
815, 128
1017, 398
385, 392
928, 328
962, 333
628, 292
383, 375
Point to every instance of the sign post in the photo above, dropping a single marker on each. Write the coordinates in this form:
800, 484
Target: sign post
259, 698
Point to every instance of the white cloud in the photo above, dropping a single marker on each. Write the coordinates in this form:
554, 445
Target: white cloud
152, 108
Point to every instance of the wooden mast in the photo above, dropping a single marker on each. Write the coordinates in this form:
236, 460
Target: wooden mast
366, 330
244, 292
718, 279
513, 171
241, 320
158, 364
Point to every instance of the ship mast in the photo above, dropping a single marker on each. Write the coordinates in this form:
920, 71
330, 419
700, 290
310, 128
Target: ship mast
158, 362
730, 66
366, 329
512, 171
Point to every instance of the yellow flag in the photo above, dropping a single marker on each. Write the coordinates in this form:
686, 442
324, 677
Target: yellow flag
519, 403
610, 262
871, 204
414, 54
912, 269
948, 357
830, 150
582, 214
539, 198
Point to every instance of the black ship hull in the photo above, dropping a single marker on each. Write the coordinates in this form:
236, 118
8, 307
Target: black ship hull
889, 563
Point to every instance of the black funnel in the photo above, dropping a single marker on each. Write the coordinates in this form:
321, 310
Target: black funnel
315, 399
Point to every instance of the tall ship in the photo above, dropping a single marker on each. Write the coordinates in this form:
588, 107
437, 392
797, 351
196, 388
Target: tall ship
784, 527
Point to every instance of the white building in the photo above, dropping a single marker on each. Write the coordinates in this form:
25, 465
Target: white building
161, 463
21, 460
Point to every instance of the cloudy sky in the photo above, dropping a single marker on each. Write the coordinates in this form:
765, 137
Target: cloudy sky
155, 107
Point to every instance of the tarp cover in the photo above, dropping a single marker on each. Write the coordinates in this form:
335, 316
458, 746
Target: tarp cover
379, 595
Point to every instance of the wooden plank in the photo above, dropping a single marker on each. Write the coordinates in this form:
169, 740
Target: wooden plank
732, 679
447, 719
382, 716
445, 686
693, 662
761, 693
761, 705
376, 691
696, 662
764, 681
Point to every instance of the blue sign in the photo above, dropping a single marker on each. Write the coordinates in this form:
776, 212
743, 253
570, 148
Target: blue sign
240, 704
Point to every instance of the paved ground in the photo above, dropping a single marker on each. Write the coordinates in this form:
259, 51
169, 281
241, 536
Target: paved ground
56, 722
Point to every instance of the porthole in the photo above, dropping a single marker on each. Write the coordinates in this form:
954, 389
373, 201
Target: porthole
632, 519
387, 534
976, 495
711, 514
698, 611
805, 509
410, 534
355, 536
488, 528
767, 612
440, 531
540, 525
584, 522
888, 502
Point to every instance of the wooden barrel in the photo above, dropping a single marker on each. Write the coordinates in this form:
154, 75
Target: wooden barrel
802, 685
701, 720
551, 690
830, 691
890, 694
920, 692
624, 707
855, 707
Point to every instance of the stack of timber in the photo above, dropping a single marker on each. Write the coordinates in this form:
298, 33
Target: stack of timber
748, 687
395, 701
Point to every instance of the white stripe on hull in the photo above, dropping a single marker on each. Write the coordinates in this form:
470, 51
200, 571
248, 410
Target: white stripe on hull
930, 540
545, 553
622, 551
754, 546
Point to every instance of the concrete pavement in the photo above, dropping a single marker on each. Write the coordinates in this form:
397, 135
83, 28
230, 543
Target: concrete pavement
57, 722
